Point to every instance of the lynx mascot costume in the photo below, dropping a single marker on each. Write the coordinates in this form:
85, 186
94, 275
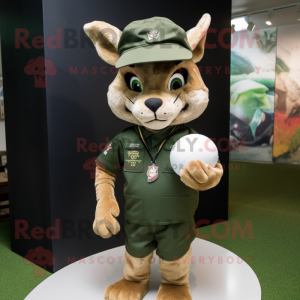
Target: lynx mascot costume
158, 88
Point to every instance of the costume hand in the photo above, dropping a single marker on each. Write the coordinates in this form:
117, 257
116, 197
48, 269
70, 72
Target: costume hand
201, 177
105, 223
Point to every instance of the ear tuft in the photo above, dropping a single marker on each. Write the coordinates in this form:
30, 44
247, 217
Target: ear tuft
105, 38
197, 35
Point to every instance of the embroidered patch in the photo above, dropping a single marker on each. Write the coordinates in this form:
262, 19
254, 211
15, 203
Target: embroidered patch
133, 158
108, 147
153, 34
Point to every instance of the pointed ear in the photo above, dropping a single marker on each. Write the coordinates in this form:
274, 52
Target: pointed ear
105, 38
197, 35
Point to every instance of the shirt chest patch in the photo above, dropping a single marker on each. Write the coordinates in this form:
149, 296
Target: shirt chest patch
133, 157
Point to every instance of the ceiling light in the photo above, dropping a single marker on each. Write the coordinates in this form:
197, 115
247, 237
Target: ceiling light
251, 25
232, 28
270, 17
239, 24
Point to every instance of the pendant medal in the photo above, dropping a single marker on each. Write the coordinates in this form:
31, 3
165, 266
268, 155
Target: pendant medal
152, 173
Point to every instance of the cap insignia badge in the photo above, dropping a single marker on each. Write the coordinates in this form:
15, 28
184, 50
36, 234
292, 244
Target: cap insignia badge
153, 34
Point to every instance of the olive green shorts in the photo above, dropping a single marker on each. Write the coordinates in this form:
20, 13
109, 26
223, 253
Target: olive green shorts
172, 241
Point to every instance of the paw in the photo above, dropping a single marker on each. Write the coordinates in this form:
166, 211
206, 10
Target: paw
201, 177
174, 292
126, 290
105, 223
106, 227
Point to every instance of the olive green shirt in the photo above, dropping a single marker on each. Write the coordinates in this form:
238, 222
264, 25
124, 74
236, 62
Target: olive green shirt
166, 200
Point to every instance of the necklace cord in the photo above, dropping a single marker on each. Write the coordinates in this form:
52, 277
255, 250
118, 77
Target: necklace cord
161, 145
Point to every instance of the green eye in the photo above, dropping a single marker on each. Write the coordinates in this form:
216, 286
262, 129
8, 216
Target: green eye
176, 82
135, 84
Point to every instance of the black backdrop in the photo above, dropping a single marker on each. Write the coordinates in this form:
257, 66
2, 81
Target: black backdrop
53, 131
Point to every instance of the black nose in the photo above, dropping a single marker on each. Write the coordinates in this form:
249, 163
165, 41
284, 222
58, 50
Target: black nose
153, 103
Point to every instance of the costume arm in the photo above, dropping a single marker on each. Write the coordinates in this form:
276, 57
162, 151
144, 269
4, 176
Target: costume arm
105, 223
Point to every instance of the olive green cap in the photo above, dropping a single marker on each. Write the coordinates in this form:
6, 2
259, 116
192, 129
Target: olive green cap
152, 40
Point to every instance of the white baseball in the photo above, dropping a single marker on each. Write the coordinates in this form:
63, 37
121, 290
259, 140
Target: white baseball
193, 147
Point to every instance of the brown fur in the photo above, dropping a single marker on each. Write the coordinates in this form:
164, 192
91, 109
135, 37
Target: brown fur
105, 38
154, 78
197, 40
137, 269
135, 282
175, 279
174, 292
200, 177
105, 223
176, 271
126, 290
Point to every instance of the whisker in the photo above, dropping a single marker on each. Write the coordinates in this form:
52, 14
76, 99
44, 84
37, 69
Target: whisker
128, 99
177, 97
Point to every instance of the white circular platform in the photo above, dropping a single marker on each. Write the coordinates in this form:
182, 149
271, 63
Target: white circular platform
215, 274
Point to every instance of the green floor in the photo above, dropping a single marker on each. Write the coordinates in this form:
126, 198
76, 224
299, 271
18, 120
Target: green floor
267, 195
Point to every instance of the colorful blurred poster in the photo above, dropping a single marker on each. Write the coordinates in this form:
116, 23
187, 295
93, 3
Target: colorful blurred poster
252, 91
286, 147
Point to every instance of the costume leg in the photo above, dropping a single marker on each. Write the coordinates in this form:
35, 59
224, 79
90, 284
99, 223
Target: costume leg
135, 282
175, 279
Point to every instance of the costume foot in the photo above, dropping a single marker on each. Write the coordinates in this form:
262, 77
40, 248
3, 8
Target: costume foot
174, 292
126, 290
